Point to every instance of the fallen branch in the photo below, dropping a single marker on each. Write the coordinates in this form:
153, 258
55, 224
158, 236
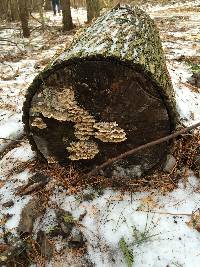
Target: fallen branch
170, 213
142, 147
12, 43
9, 139
2, 28
30, 188
167, 213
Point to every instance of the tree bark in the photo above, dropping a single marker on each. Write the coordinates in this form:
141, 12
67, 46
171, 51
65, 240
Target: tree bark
3, 8
24, 16
110, 92
48, 5
14, 15
93, 9
67, 17
40, 8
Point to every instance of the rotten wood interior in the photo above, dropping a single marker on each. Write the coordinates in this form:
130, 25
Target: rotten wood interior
108, 92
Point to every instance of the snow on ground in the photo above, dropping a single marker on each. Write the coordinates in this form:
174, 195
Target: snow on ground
13, 173
168, 240
79, 17
179, 27
153, 225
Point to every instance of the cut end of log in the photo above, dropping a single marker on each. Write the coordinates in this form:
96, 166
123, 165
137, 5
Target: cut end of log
91, 106
95, 110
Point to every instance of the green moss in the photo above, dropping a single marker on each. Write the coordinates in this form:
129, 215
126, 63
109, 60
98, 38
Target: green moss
68, 218
52, 229
192, 61
195, 68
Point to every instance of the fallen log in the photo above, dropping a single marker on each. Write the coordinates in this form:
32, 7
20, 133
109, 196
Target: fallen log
108, 93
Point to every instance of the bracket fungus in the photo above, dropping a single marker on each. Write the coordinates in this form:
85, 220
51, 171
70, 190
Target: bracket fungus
109, 132
109, 92
39, 123
82, 150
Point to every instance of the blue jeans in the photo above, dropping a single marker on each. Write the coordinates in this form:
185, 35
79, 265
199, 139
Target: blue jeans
54, 4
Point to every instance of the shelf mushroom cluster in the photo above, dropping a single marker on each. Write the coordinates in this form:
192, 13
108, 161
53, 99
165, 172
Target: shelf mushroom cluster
62, 106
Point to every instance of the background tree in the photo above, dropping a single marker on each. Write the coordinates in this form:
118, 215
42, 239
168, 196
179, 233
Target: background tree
24, 14
48, 5
67, 17
41, 7
3, 8
13, 10
93, 9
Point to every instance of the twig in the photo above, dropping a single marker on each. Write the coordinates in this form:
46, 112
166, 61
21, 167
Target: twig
116, 6
142, 147
2, 28
9, 139
36, 19
11, 42
30, 188
168, 213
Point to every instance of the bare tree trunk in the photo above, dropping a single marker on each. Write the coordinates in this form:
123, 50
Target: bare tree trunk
4, 9
67, 17
13, 10
93, 9
78, 3
9, 10
23, 14
41, 6
48, 5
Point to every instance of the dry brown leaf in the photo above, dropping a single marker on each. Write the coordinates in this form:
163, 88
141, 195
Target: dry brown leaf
148, 203
2, 183
3, 247
195, 221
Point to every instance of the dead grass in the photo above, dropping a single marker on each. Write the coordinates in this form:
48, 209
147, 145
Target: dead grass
35, 254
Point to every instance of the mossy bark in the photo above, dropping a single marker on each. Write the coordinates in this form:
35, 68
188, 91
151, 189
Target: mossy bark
115, 76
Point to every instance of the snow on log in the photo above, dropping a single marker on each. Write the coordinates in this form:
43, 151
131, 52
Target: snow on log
108, 93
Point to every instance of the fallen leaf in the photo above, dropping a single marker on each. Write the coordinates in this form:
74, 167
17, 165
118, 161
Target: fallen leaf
195, 221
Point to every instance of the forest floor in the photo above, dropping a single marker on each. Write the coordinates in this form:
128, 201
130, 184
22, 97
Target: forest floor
95, 226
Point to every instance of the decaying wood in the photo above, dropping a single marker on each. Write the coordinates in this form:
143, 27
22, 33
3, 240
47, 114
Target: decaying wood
109, 92
143, 147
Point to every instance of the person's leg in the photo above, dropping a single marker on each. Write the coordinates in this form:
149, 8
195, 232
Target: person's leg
54, 6
58, 5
